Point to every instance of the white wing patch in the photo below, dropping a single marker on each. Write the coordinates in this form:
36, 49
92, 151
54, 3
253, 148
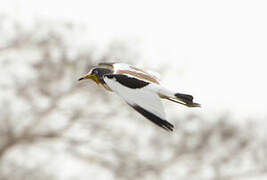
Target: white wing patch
142, 97
123, 66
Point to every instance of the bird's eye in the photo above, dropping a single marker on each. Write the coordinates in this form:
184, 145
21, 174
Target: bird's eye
95, 71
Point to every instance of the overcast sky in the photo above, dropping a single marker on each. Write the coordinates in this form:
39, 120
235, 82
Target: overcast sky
218, 48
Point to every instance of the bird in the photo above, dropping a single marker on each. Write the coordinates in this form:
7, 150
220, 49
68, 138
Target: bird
140, 89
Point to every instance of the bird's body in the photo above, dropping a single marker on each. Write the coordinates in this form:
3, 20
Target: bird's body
140, 89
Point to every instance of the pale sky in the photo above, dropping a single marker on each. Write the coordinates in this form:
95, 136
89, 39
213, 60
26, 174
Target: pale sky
218, 48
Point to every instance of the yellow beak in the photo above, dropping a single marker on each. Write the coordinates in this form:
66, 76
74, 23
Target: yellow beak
89, 76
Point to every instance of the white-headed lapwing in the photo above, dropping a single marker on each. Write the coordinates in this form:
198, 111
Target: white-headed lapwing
140, 89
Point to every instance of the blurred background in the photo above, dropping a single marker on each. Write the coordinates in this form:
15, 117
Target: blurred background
53, 127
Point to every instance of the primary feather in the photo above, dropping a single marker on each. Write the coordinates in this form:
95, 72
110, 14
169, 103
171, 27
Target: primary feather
142, 100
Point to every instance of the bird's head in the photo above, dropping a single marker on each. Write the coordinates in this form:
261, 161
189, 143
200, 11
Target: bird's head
93, 74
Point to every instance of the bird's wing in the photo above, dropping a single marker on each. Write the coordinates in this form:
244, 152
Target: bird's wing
108, 65
137, 94
154, 74
121, 68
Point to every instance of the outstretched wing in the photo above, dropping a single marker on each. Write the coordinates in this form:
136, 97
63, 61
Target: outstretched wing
121, 68
138, 95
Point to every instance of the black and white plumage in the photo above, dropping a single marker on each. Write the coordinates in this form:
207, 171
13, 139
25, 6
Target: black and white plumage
140, 89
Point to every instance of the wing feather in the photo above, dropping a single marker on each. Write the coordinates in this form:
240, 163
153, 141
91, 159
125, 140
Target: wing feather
143, 100
121, 68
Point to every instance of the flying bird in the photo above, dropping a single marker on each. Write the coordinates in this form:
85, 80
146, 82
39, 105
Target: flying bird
139, 88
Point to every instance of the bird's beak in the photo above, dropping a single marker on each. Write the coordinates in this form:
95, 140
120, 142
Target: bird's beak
89, 76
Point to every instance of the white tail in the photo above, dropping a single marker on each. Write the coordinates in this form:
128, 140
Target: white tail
184, 99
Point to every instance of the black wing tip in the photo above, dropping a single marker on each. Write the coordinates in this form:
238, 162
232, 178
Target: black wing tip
166, 125
155, 119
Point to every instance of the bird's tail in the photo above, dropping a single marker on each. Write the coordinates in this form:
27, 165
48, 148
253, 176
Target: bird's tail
184, 99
